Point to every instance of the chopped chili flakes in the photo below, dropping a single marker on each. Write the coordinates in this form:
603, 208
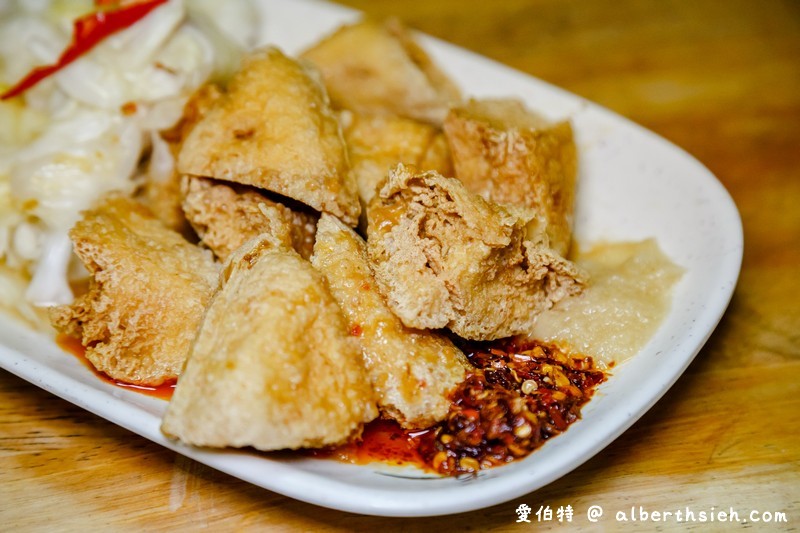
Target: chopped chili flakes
514, 399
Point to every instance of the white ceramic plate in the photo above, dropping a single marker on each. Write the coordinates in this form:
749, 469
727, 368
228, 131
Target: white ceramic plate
633, 185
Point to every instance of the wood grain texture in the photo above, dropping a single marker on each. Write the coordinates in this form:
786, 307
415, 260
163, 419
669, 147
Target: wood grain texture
721, 80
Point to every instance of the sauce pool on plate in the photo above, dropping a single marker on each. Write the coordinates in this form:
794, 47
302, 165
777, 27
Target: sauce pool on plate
520, 392
73, 346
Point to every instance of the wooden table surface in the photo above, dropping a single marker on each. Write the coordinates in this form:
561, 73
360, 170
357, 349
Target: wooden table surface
720, 79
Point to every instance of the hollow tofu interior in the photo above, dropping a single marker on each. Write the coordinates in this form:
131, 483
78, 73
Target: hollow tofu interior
446, 258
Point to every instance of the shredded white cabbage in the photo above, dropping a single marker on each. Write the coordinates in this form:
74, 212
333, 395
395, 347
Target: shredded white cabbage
84, 131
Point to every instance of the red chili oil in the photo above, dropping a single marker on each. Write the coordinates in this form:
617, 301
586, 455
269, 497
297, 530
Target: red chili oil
381, 441
515, 399
73, 346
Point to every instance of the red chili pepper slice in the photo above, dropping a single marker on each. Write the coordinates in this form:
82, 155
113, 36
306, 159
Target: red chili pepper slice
87, 32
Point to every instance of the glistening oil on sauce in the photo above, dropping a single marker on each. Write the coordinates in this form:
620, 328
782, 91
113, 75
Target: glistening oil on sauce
73, 346
448, 448
515, 398
628, 296
382, 441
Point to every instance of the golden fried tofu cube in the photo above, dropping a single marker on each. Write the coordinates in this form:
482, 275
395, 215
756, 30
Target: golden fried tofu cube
147, 295
273, 366
446, 258
274, 129
377, 143
225, 217
377, 68
412, 371
509, 155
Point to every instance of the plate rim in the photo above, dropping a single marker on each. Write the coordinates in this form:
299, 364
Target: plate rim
105, 403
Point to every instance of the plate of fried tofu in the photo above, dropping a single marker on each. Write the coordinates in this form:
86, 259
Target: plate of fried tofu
361, 204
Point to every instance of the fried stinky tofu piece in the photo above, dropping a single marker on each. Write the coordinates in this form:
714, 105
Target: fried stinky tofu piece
225, 217
378, 68
196, 108
161, 191
377, 143
273, 366
508, 155
412, 371
274, 129
147, 295
447, 258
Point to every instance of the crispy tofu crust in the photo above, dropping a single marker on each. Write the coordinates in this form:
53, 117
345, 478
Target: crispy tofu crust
225, 218
508, 155
413, 371
148, 292
274, 129
376, 143
380, 69
196, 108
446, 258
273, 366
